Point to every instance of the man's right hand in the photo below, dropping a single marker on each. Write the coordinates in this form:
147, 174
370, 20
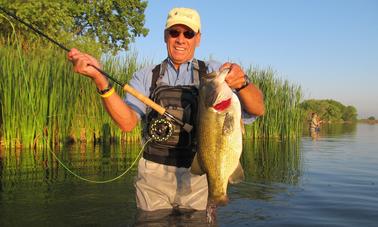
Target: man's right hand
120, 112
83, 63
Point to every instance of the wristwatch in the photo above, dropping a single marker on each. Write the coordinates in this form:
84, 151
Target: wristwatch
105, 90
245, 84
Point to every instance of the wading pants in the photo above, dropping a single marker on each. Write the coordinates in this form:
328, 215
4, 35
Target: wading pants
165, 187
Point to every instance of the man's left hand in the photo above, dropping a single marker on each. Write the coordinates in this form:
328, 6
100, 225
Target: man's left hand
235, 78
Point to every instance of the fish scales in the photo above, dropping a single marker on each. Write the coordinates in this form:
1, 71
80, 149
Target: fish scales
219, 136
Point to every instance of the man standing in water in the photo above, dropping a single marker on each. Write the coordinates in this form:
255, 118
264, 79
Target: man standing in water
315, 125
164, 180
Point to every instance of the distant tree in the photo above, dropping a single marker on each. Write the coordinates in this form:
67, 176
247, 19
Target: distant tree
371, 118
334, 113
329, 110
349, 113
109, 24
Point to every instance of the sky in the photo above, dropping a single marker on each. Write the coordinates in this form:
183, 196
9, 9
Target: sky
328, 47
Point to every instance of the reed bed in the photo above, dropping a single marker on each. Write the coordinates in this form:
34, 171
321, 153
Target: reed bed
42, 102
283, 116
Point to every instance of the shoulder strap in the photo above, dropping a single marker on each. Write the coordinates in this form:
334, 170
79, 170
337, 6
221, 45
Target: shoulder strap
200, 70
157, 73
155, 76
202, 67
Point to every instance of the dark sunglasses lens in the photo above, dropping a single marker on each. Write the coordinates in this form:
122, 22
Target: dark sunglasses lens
174, 33
189, 34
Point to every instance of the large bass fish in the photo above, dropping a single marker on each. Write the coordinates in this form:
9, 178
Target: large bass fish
219, 138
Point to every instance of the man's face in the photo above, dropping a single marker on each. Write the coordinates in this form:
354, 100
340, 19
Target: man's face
181, 49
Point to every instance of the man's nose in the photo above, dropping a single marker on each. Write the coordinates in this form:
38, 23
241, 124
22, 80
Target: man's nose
181, 38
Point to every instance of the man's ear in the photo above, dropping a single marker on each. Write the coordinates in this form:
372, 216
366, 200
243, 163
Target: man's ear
198, 39
165, 36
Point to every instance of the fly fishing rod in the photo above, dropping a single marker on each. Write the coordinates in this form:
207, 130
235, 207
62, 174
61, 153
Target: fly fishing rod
162, 127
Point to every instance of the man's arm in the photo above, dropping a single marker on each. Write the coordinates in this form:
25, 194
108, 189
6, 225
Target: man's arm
250, 96
119, 111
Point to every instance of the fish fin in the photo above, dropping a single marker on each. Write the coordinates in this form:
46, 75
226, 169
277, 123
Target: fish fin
237, 176
223, 74
228, 124
242, 127
196, 167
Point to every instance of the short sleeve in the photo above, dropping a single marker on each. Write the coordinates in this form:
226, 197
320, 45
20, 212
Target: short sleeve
140, 81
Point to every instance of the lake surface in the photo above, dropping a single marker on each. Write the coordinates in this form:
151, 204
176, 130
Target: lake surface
331, 180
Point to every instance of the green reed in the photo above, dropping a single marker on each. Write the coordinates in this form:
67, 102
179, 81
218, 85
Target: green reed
43, 102
283, 116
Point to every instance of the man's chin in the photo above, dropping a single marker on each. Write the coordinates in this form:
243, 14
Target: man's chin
179, 61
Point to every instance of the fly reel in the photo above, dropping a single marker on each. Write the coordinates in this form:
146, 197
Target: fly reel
161, 129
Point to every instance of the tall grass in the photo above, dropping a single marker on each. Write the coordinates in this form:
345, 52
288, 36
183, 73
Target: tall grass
42, 101
283, 116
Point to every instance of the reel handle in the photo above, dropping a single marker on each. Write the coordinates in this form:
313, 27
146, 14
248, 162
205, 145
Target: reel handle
161, 110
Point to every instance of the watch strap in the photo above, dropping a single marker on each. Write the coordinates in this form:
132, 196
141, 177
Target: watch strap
105, 90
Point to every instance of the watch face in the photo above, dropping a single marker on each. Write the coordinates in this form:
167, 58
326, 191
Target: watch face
245, 84
247, 80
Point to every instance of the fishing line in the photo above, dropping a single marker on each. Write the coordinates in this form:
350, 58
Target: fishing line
55, 42
161, 110
10, 22
125, 86
95, 181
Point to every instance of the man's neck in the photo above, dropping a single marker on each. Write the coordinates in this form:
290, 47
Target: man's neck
177, 65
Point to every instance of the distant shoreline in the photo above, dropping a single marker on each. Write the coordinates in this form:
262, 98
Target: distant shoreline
366, 121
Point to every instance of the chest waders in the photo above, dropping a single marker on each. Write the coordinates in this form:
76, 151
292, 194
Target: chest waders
179, 148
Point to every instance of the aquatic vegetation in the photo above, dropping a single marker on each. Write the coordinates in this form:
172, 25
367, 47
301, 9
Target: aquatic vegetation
283, 116
42, 101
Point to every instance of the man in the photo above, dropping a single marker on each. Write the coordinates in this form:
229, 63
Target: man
164, 180
315, 125
315, 122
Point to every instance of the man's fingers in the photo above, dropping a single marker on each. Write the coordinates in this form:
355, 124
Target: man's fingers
225, 66
72, 53
234, 82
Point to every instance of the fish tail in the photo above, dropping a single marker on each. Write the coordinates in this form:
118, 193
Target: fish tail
219, 200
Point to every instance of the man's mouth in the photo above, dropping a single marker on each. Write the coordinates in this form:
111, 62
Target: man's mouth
179, 48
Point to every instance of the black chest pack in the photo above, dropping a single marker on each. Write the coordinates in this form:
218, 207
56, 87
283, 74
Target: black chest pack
179, 145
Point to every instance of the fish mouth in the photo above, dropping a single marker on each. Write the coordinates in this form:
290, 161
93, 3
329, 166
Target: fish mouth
210, 76
224, 104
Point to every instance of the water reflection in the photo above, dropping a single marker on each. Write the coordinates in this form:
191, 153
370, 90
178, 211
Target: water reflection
327, 182
271, 167
331, 130
272, 161
36, 176
94, 162
171, 218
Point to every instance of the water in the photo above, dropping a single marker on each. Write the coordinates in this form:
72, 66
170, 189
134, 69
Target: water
328, 181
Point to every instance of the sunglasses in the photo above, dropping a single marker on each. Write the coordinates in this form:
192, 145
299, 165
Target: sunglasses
187, 34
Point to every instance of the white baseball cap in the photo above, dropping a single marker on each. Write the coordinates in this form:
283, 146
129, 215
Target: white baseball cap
185, 16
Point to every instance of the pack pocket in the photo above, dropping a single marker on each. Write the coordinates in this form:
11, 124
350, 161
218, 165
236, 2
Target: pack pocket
181, 102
